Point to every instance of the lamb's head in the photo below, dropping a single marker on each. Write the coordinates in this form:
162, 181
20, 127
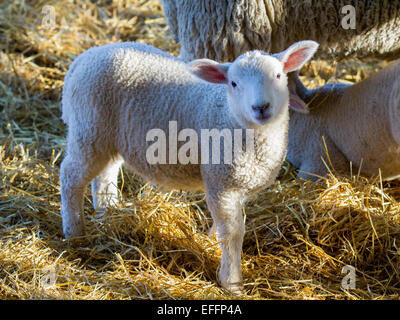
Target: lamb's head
256, 81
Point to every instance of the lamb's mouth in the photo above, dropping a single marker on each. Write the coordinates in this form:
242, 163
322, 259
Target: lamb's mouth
262, 117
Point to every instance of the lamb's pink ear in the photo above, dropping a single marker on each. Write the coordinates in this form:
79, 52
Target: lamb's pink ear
297, 104
209, 70
294, 57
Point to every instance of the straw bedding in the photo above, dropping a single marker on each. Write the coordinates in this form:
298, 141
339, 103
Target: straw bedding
155, 245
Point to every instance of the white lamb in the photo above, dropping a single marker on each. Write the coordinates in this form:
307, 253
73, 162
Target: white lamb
114, 95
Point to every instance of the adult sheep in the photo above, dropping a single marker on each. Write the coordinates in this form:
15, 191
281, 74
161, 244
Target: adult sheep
222, 30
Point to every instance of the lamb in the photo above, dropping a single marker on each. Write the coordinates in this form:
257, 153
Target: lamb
359, 123
115, 95
223, 30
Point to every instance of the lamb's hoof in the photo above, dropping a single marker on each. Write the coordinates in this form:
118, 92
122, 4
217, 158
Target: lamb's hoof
99, 214
73, 232
78, 240
234, 288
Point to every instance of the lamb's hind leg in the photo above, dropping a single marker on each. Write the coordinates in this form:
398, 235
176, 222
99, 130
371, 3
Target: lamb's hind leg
226, 211
105, 187
78, 168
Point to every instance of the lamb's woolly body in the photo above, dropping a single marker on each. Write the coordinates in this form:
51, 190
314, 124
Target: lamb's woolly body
222, 30
360, 123
114, 95
129, 104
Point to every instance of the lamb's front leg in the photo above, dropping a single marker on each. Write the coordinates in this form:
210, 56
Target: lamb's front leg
226, 211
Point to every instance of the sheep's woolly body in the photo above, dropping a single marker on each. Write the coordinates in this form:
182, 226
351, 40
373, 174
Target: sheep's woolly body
360, 123
223, 30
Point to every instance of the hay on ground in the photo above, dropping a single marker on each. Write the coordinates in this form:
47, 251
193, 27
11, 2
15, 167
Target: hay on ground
154, 245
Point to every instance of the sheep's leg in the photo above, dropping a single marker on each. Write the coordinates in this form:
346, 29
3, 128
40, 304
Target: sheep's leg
226, 211
313, 167
76, 172
105, 187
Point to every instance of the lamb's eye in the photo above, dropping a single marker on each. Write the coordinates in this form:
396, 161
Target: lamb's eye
233, 83
278, 75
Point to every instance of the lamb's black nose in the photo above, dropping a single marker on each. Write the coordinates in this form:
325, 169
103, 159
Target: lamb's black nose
262, 107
